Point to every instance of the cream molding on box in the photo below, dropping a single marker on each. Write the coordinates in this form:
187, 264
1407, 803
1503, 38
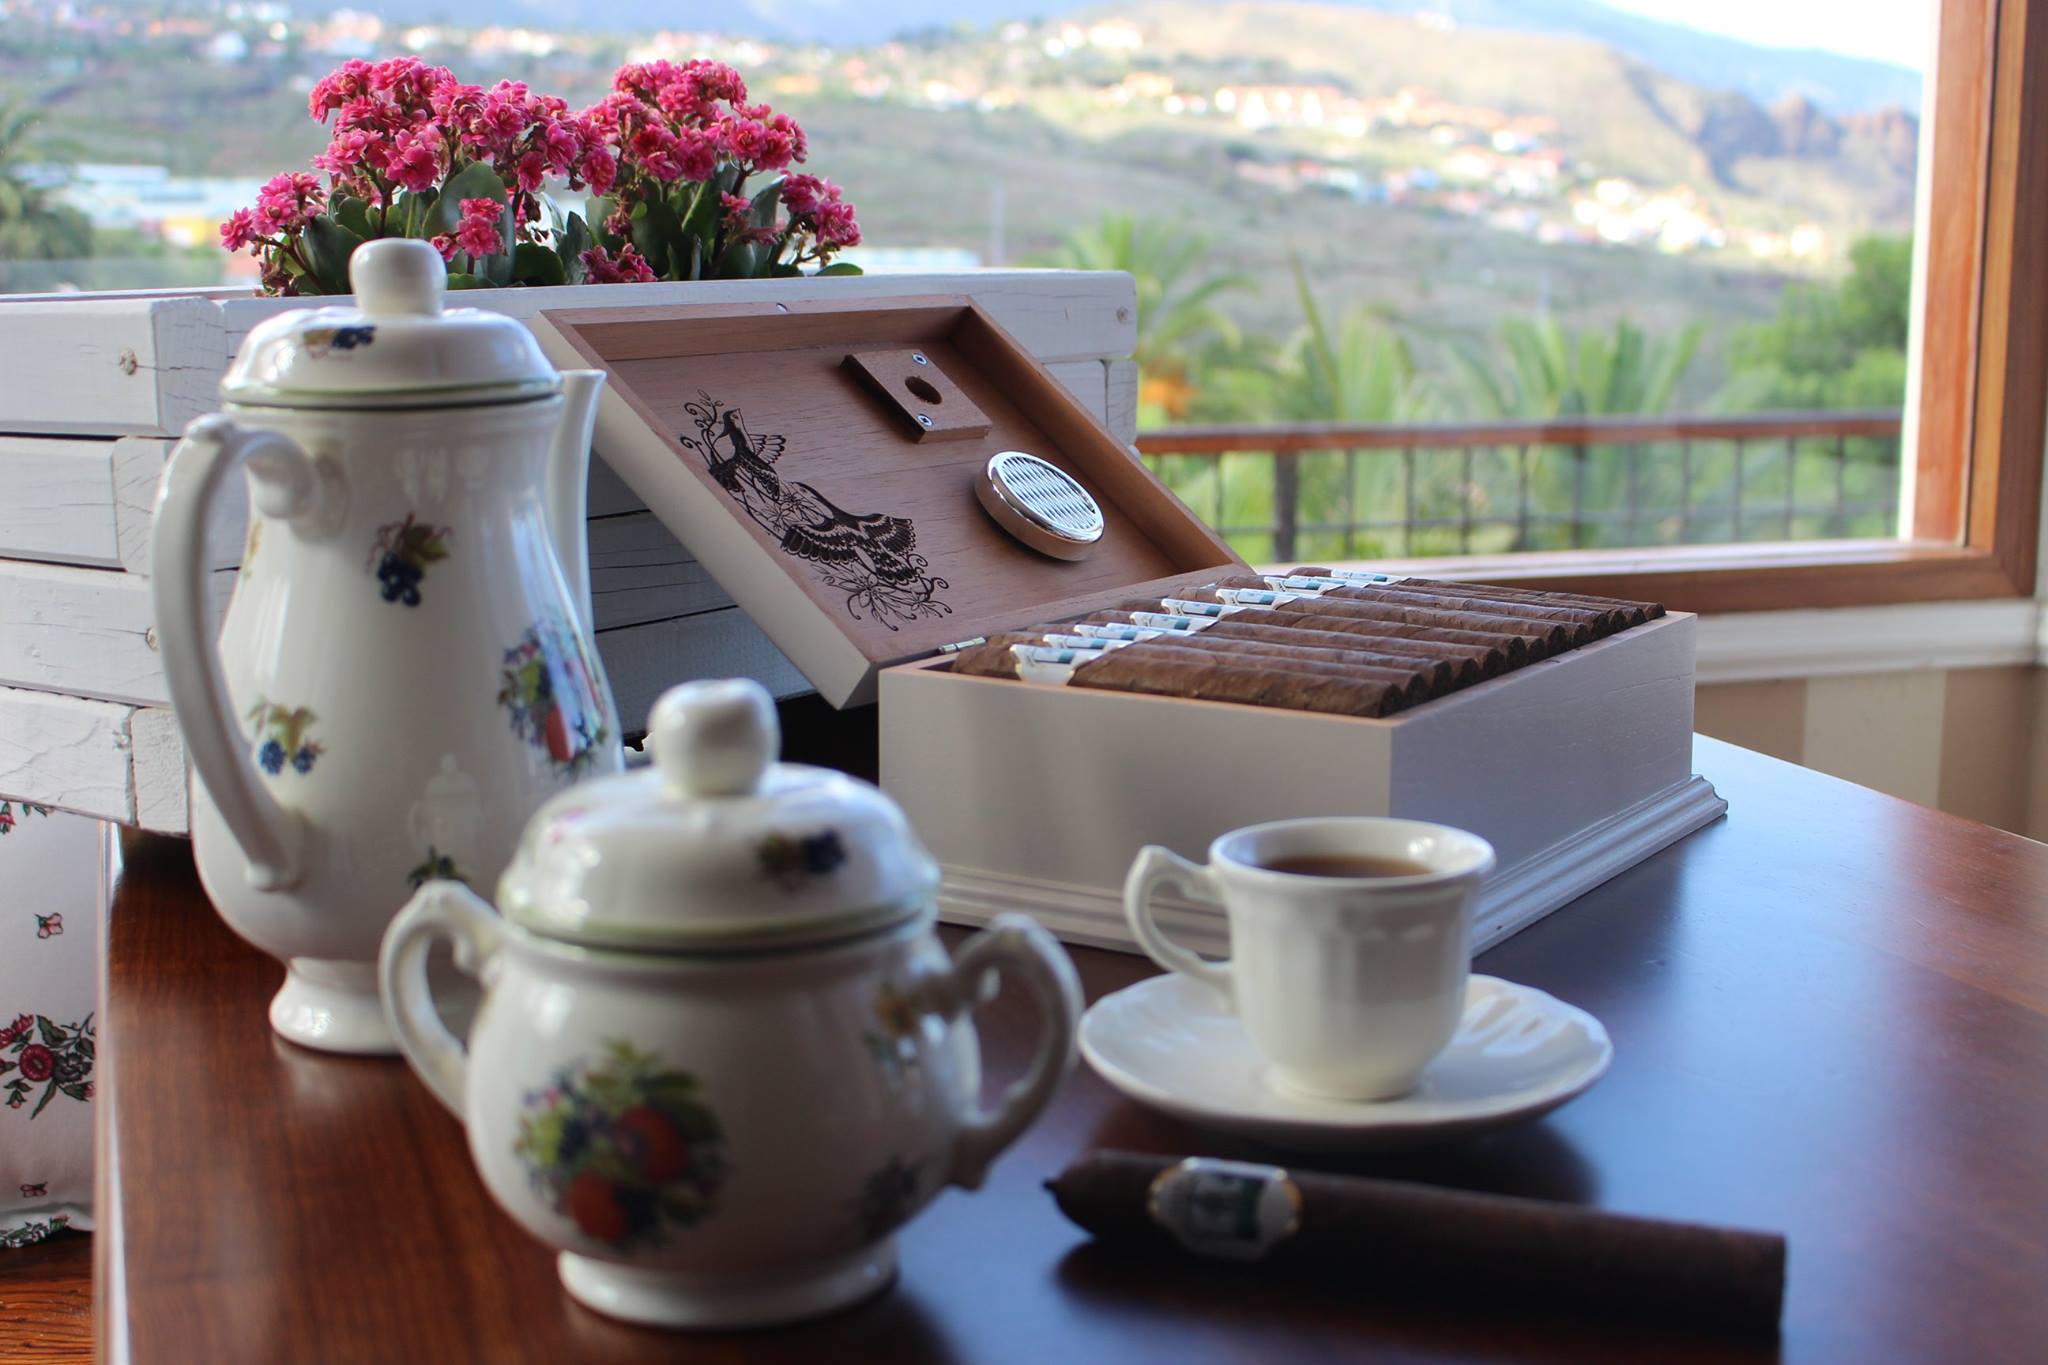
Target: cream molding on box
1756, 646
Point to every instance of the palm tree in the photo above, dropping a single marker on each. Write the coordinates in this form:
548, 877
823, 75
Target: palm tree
32, 225
1179, 323
1545, 372
1360, 370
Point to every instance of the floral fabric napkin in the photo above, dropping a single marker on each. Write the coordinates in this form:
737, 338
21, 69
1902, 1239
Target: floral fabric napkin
53, 884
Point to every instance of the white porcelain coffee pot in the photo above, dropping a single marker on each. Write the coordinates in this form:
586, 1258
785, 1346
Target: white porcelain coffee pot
721, 1054
406, 670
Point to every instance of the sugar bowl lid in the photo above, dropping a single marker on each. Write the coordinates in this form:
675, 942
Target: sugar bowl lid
397, 348
716, 847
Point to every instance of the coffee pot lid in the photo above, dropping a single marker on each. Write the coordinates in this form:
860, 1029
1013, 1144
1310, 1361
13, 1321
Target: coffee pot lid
716, 847
398, 347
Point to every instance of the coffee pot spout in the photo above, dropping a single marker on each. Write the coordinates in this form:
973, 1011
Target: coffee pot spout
568, 484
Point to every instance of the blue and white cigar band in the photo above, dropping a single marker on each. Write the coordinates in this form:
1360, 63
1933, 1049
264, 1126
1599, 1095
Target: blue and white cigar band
1340, 578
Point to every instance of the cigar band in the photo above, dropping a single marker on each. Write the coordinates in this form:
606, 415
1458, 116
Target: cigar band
1182, 606
1113, 630
1227, 1210
1159, 620
1090, 641
1317, 583
1260, 597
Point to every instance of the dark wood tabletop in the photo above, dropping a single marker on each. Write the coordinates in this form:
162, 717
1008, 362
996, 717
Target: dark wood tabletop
1830, 1019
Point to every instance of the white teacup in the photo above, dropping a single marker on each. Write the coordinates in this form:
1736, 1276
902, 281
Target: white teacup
1349, 985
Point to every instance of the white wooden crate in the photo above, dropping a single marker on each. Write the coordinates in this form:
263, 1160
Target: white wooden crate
100, 385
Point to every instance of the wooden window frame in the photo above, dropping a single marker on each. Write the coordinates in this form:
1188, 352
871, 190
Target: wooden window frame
1983, 380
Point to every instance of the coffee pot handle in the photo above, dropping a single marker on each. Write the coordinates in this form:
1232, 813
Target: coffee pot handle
440, 909
1012, 944
288, 485
1156, 866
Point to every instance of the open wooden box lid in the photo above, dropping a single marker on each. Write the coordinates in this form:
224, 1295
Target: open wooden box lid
782, 444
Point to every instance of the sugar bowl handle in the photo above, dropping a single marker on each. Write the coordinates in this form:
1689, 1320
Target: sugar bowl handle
1156, 866
440, 909
1012, 944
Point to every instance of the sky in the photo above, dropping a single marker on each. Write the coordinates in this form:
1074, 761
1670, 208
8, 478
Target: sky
1889, 30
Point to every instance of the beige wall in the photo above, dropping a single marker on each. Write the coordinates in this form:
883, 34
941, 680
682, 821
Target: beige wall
1969, 741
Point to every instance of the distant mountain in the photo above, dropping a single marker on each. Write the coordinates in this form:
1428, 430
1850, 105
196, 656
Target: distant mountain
1767, 75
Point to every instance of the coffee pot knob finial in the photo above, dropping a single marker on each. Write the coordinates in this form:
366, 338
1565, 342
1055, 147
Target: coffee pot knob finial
715, 738
398, 275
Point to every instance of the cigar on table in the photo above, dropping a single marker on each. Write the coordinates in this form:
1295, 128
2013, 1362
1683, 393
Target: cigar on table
1421, 1237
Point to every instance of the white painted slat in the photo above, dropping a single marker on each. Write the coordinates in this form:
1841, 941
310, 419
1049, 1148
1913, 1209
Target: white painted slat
66, 752
1087, 381
138, 469
609, 495
1055, 314
639, 573
109, 367
83, 632
641, 661
57, 501
1122, 414
157, 760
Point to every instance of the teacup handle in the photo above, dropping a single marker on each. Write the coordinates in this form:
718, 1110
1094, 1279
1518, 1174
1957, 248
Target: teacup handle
440, 909
1155, 866
1014, 944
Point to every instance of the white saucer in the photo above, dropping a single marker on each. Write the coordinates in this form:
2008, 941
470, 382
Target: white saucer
1169, 1042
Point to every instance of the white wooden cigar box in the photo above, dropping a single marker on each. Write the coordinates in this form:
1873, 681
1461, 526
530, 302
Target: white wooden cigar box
800, 455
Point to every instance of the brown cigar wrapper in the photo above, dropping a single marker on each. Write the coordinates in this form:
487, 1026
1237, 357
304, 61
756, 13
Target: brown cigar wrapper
1179, 671
1413, 680
1390, 1234
1628, 613
1460, 665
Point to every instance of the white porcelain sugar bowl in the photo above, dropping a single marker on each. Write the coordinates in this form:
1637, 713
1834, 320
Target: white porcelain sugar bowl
721, 1054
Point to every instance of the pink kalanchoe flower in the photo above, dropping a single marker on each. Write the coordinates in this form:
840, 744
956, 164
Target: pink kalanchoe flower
599, 170
698, 152
736, 207
619, 222
836, 226
601, 267
445, 244
657, 152
288, 201
239, 230
564, 147
801, 194
346, 82
478, 231
742, 139
415, 161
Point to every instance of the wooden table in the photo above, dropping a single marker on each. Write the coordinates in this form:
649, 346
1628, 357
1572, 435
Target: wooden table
1830, 1017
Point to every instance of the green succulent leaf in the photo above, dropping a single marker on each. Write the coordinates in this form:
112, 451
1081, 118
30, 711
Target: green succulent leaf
462, 279
655, 230
570, 243
474, 181
840, 268
353, 214
536, 264
328, 247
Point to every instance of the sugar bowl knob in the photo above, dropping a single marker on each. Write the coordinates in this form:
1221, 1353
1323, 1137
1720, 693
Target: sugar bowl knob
714, 738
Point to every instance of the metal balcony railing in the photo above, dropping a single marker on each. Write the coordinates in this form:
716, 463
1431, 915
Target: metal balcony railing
1410, 489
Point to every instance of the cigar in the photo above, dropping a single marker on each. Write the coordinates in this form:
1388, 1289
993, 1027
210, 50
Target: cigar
1575, 625
1452, 666
1429, 1240
1414, 681
1630, 613
1540, 639
1170, 670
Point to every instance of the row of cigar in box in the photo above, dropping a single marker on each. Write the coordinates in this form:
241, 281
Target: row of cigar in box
1347, 643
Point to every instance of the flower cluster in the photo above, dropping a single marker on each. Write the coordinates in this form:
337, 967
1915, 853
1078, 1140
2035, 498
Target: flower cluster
668, 156
41, 1052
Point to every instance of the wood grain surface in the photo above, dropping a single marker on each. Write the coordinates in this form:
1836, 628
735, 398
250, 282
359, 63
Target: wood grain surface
1830, 1017
46, 1302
